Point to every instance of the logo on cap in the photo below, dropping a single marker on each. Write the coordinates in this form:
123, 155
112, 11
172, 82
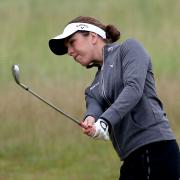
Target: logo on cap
82, 26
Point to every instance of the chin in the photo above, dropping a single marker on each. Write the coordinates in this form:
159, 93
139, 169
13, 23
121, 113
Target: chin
85, 63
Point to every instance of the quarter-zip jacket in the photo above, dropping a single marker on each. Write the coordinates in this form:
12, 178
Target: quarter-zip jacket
123, 93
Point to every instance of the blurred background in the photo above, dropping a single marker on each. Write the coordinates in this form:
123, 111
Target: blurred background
35, 141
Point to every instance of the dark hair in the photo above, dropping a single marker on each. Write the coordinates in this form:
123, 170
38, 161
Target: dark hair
112, 33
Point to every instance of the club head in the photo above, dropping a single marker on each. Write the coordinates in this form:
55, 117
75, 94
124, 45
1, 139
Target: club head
15, 72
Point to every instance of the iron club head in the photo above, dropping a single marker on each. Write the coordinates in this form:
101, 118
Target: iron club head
15, 72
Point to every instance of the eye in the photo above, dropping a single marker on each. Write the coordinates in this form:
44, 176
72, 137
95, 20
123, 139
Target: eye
71, 42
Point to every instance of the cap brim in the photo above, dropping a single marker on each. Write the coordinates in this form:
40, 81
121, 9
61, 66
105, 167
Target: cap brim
57, 46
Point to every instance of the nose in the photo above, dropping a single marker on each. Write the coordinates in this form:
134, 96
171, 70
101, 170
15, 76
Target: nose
70, 51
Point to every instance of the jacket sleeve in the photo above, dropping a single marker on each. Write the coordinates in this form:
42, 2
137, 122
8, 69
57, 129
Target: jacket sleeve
93, 107
135, 62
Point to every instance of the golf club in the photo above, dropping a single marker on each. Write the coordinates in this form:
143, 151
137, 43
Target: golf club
15, 72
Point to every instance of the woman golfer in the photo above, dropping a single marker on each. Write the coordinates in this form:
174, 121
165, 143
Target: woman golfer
122, 104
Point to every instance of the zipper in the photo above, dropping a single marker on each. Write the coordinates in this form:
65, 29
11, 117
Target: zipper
117, 145
103, 92
108, 101
102, 81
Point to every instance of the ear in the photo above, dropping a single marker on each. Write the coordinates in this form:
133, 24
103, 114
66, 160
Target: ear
94, 37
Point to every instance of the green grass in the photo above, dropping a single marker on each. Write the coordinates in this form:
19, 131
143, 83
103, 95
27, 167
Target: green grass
37, 143
27, 25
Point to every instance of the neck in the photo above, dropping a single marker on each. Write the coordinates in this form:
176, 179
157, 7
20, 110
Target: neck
99, 52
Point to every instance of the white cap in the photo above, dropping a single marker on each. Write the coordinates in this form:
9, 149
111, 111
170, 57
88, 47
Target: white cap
56, 44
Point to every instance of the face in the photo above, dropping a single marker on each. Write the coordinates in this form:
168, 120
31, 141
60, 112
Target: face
81, 48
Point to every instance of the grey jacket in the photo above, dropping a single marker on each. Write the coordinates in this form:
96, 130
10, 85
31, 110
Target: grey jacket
123, 93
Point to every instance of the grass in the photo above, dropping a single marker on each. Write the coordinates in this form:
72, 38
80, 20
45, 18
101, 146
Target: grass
35, 141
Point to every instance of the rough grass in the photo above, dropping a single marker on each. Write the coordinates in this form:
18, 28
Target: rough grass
38, 143
27, 25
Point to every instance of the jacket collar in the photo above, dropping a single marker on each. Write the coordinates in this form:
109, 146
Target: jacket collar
108, 48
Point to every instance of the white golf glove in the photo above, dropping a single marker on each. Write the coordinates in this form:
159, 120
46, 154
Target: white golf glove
101, 127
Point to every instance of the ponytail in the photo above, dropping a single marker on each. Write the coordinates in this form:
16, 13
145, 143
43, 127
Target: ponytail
112, 33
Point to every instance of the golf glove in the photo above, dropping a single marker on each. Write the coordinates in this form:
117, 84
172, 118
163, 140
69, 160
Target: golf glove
101, 130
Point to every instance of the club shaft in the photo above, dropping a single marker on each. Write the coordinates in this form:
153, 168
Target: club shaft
51, 105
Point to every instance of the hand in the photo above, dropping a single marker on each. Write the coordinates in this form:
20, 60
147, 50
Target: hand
101, 130
97, 130
89, 121
87, 125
